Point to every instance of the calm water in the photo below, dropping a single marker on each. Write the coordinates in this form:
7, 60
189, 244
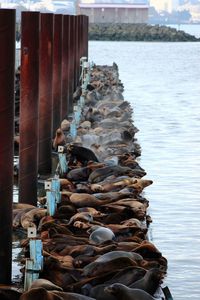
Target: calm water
162, 82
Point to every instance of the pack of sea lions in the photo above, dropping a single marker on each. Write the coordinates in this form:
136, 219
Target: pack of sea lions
96, 244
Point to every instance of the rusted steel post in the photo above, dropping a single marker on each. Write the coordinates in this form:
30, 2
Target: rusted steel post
86, 37
71, 62
86, 26
57, 68
81, 30
65, 65
45, 93
28, 150
7, 75
74, 52
78, 51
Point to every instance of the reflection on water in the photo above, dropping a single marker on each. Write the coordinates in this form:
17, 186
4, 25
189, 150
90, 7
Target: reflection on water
162, 82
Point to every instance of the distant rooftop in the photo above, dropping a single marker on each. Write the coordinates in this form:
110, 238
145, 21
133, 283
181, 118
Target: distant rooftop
112, 5
133, 2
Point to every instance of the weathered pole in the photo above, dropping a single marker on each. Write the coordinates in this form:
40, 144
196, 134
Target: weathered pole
71, 62
65, 66
28, 149
7, 76
45, 93
57, 69
86, 34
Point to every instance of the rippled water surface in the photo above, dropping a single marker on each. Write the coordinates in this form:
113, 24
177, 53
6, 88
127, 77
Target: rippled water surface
162, 82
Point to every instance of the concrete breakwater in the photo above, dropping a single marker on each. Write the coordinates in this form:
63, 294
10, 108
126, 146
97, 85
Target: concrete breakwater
96, 244
138, 32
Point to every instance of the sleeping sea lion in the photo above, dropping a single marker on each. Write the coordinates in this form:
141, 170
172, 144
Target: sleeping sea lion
8, 293
122, 292
102, 173
46, 284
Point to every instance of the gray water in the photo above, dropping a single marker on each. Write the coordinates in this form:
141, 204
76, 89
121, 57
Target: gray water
162, 82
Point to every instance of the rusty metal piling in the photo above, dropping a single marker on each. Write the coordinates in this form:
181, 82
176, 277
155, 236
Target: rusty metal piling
28, 150
65, 66
57, 68
7, 75
45, 93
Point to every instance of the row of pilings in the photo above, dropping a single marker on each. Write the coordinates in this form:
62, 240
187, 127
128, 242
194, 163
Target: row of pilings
51, 48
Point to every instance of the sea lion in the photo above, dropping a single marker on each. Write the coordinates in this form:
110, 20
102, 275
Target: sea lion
46, 284
97, 268
7, 293
81, 216
117, 254
42, 294
122, 292
102, 173
150, 282
33, 216
83, 199
81, 154
59, 140
148, 250
17, 218
100, 234
114, 186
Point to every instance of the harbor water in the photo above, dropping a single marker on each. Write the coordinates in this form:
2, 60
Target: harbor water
162, 82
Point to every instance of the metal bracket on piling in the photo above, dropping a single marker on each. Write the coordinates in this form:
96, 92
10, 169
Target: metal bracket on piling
62, 158
73, 130
34, 264
53, 195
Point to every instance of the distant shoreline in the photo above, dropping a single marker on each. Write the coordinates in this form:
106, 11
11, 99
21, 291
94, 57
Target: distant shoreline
139, 32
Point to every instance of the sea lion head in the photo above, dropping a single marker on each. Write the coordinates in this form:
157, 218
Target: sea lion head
114, 288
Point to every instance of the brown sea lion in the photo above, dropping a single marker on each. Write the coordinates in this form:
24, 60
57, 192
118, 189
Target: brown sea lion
46, 284
82, 200
22, 205
81, 216
8, 293
97, 268
81, 174
17, 218
59, 140
148, 250
43, 294
118, 254
150, 282
125, 276
100, 174
122, 292
33, 216
114, 186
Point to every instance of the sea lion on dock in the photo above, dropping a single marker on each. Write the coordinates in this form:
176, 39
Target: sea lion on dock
59, 140
118, 254
122, 292
32, 217
46, 284
9, 293
150, 282
102, 173
81, 154
98, 268
100, 234
125, 276
42, 294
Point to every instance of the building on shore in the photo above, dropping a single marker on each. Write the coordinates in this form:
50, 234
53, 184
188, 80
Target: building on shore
112, 12
165, 5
